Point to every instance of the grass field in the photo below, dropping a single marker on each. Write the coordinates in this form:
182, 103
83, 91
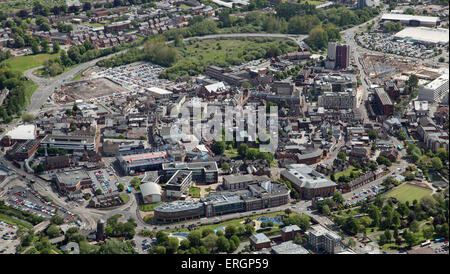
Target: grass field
347, 172
407, 192
124, 198
312, 2
148, 207
13, 221
23, 63
194, 56
194, 191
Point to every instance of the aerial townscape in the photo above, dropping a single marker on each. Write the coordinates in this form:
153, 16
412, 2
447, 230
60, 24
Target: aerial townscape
224, 127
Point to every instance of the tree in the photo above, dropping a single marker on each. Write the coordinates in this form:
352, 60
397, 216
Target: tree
436, 163
230, 230
159, 250
162, 238
410, 238
218, 147
225, 167
98, 191
242, 150
351, 226
337, 197
302, 221
373, 135
341, 155
366, 221
428, 232
28, 117
35, 47
210, 241
223, 244
45, 46
194, 238
87, 6
235, 240
249, 229
172, 245
402, 135
57, 220
120, 187
185, 244
381, 160
56, 47
326, 210
53, 231
414, 226
114, 246
317, 38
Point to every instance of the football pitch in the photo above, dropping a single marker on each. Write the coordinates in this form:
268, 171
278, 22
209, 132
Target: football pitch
408, 192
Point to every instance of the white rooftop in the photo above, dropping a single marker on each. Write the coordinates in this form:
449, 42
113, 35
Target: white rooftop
431, 35
393, 16
436, 83
159, 91
23, 132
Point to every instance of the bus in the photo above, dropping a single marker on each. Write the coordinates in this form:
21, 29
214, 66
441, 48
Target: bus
427, 242
399, 147
439, 240
129, 189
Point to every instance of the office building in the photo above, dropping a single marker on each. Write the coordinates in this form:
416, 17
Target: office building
135, 163
70, 143
323, 240
202, 172
308, 182
70, 181
384, 102
179, 184
434, 91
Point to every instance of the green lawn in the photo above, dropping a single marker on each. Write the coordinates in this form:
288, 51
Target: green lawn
347, 172
312, 2
196, 55
23, 63
407, 192
149, 207
124, 198
13, 221
194, 191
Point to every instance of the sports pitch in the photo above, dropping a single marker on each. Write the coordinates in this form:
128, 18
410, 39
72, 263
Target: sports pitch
408, 192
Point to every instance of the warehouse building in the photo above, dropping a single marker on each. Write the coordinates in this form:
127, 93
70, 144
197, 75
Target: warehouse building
424, 35
411, 20
135, 163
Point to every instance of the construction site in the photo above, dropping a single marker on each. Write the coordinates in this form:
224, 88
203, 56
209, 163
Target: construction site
381, 68
86, 90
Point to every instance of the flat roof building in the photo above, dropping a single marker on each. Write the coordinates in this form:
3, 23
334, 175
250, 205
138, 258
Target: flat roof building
159, 92
411, 20
308, 182
72, 143
69, 181
435, 90
22, 132
202, 172
142, 162
424, 35
179, 183
289, 247
322, 239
